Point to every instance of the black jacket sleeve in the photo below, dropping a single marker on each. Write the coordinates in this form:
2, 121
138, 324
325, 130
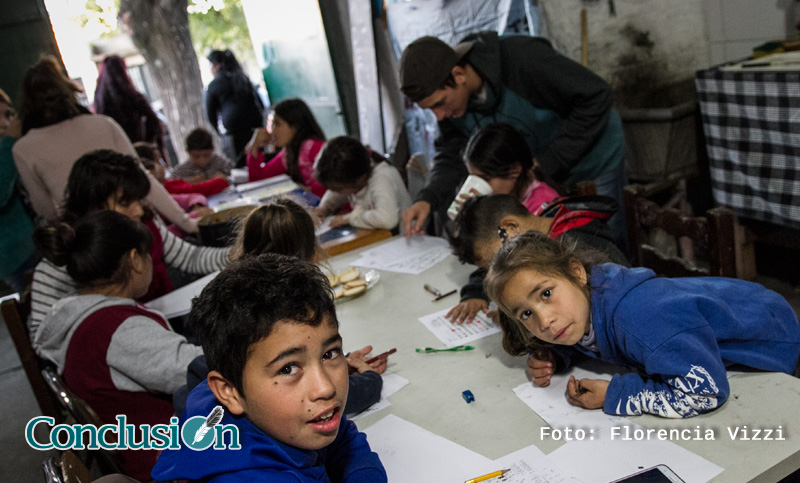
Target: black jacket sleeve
474, 287
448, 170
552, 81
213, 103
365, 390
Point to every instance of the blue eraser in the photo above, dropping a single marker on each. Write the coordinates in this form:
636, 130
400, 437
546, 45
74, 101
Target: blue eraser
467, 395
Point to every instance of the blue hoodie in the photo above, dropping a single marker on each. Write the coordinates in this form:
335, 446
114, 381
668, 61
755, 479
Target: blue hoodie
680, 335
261, 458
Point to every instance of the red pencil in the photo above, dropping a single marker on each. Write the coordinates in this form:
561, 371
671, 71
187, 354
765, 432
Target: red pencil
381, 356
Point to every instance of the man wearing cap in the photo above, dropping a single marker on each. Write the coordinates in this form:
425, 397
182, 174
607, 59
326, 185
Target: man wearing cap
562, 109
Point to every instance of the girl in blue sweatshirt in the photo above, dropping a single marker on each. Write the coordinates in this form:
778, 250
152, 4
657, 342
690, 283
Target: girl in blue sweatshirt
678, 335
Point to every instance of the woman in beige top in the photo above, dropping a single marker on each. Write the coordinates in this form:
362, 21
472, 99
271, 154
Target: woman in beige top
57, 130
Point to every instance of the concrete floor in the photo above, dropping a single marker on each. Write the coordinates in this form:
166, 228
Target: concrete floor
19, 463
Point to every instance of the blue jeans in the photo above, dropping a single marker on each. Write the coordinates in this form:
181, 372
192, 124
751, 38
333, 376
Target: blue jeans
613, 184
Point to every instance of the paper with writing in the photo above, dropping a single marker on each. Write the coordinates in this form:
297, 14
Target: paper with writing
454, 334
412, 256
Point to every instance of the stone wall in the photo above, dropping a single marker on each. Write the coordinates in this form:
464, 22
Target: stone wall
640, 46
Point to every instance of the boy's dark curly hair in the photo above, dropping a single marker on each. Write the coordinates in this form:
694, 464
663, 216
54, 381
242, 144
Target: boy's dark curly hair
99, 174
244, 302
478, 220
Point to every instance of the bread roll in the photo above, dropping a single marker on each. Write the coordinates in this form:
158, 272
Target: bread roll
354, 291
333, 279
355, 283
349, 276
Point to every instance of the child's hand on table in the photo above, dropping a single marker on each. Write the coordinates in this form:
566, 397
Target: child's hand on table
322, 211
587, 393
467, 310
338, 220
541, 366
357, 360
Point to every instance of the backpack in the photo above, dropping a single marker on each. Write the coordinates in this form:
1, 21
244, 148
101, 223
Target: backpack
570, 212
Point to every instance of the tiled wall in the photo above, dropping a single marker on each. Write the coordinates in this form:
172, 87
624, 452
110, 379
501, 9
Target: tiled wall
736, 26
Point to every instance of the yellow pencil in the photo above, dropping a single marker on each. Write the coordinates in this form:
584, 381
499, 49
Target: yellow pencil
487, 477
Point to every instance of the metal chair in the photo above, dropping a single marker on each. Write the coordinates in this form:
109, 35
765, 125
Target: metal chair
70, 469
15, 314
107, 460
67, 469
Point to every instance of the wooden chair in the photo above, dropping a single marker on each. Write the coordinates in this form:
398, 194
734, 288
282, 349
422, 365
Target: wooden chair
585, 188
107, 460
15, 314
729, 248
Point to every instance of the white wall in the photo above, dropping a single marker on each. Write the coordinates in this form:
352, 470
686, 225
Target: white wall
736, 26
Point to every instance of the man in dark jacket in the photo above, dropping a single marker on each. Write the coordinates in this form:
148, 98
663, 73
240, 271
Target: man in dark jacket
563, 110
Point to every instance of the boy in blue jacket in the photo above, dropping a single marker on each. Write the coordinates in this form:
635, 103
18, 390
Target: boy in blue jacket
270, 335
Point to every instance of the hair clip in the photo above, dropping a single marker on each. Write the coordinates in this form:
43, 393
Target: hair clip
502, 233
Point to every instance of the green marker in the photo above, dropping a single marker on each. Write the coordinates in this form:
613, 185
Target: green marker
452, 349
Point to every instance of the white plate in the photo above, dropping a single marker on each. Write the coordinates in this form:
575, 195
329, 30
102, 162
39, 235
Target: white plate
372, 277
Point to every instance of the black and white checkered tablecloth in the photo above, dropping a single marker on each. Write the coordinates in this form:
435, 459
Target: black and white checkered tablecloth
751, 122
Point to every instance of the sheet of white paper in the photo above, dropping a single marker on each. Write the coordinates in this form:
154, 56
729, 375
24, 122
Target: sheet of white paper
239, 175
609, 459
263, 183
411, 453
324, 226
413, 256
382, 404
391, 384
179, 302
528, 465
453, 334
551, 404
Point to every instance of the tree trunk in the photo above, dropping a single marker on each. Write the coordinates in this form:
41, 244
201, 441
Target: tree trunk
160, 30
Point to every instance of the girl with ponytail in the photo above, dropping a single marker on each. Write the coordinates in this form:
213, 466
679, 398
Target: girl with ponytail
113, 353
118, 184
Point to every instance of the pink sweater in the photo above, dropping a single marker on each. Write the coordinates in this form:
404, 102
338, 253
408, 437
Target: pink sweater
536, 194
44, 159
257, 169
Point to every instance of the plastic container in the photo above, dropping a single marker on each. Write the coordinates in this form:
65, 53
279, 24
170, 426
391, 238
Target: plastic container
473, 186
219, 229
661, 138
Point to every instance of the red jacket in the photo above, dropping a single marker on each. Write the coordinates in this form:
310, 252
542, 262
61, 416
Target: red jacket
206, 188
161, 284
258, 168
88, 375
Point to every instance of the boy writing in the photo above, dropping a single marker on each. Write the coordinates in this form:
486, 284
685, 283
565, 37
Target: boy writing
483, 223
203, 163
270, 336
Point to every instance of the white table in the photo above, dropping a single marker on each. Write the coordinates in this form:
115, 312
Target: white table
179, 301
498, 422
